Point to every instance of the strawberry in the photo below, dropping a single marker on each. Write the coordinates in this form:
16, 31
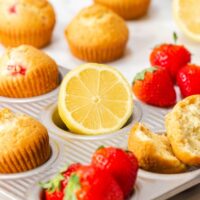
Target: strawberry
188, 79
12, 9
16, 70
154, 86
54, 189
91, 183
171, 57
122, 165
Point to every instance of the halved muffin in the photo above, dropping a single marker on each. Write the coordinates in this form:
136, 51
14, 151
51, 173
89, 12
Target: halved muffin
153, 151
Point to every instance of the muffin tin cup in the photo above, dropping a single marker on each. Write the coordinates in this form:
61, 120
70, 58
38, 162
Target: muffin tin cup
50, 118
62, 72
55, 151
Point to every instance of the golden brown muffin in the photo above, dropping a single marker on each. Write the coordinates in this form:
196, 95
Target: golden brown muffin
24, 142
26, 72
183, 130
26, 22
153, 151
128, 9
97, 34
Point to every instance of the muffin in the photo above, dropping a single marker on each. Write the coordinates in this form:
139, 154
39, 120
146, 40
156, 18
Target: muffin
26, 22
26, 72
128, 9
97, 34
183, 130
153, 151
24, 142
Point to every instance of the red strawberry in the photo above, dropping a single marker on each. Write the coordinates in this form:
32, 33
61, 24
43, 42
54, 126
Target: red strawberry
16, 70
154, 86
12, 9
170, 57
91, 183
54, 189
123, 166
188, 79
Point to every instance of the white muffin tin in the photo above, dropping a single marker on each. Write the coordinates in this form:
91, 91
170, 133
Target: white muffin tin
68, 148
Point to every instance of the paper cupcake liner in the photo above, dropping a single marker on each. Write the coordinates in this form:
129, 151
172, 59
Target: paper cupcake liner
37, 83
128, 10
26, 158
95, 54
13, 38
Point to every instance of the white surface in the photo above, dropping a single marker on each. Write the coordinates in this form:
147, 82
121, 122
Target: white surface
155, 28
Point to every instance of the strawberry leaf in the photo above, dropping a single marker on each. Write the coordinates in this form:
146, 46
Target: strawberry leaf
141, 75
45, 185
72, 187
53, 184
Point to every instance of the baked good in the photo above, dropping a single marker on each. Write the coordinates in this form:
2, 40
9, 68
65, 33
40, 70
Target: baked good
26, 72
128, 9
24, 142
183, 130
26, 22
153, 151
97, 34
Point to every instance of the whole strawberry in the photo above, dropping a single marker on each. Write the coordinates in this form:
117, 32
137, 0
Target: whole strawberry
154, 86
54, 189
122, 165
188, 79
171, 57
91, 183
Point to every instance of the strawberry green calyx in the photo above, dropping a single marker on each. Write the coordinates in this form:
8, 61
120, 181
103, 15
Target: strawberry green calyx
100, 147
141, 75
175, 37
72, 186
53, 184
64, 168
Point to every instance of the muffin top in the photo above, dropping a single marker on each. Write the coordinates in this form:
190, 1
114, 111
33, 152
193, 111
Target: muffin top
96, 26
26, 14
19, 130
25, 59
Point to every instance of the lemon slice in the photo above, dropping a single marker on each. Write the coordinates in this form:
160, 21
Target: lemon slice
187, 17
94, 99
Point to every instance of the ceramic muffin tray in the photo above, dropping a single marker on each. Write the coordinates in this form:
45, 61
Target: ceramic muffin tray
68, 148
